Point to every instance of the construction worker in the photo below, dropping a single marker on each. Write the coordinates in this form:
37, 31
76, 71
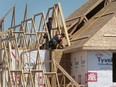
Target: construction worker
49, 25
57, 41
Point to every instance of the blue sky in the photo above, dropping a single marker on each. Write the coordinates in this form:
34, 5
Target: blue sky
36, 6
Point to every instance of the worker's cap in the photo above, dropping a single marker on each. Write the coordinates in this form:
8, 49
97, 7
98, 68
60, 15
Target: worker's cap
50, 18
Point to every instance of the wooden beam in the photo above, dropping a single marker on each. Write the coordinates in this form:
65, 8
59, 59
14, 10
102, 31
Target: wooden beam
30, 33
69, 84
81, 19
109, 0
38, 14
65, 29
15, 26
91, 24
74, 23
47, 15
8, 38
67, 75
15, 71
37, 71
73, 18
30, 19
26, 12
92, 7
85, 18
6, 14
5, 32
109, 13
13, 21
109, 35
18, 31
84, 37
49, 73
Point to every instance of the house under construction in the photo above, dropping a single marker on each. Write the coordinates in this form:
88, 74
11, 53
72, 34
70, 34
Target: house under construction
86, 60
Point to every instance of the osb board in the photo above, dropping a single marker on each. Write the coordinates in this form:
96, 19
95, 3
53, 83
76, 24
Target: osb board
98, 40
63, 59
82, 9
99, 23
66, 62
57, 55
76, 45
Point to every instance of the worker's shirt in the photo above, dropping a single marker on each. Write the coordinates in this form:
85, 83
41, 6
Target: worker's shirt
56, 38
49, 28
54, 42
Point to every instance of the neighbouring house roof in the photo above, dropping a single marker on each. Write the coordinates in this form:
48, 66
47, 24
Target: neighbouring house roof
91, 35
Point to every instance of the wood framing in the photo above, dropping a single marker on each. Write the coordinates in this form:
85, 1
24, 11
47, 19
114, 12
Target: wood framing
3, 18
58, 21
91, 24
19, 41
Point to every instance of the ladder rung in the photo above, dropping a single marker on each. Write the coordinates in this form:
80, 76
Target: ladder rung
26, 72
59, 74
15, 71
49, 73
36, 70
30, 33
